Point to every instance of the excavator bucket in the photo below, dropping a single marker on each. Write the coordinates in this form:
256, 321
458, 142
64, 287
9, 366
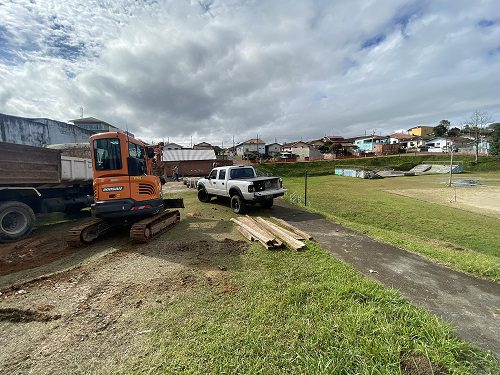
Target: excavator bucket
173, 203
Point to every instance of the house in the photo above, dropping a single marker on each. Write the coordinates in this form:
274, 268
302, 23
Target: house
467, 145
94, 125
415, 143
40, 132
253, 146
367, 143
273, 150
229, 152
317, 142
333, 139
421, 130
399, 138
172, 146
444, 144
190, 162
203, 146
303, 150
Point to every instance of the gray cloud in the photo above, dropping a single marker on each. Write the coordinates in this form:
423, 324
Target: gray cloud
214, 70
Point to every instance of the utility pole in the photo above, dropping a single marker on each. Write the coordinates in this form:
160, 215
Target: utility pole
81, 109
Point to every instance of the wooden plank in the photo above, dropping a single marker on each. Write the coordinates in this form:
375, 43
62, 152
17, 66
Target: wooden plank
266, 235
255, 234
278, 231
245, 233
288, 232
305, 235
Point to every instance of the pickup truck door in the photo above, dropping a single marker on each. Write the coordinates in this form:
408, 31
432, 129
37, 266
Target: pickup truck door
221, 182
212, 182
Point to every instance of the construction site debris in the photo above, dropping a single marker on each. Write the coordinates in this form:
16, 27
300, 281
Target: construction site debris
283, 223
465, 183
282, 234
270, 234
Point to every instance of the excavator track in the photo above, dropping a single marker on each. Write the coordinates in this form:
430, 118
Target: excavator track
88, 231
147, 229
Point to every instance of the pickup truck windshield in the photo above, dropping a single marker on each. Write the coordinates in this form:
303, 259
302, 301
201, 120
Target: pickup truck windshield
238, 173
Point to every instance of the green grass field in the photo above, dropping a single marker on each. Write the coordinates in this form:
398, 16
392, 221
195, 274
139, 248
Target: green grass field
402, 162
464, 240
283, 312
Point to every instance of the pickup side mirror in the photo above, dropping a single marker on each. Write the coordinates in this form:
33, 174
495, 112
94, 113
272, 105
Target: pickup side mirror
207, 177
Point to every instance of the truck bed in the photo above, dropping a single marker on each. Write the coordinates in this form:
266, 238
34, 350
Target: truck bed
23, 165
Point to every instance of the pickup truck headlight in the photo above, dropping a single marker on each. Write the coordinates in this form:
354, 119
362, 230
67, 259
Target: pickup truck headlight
250, 188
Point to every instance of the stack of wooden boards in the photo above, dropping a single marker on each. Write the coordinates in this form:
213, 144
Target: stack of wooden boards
191, 182
270, 234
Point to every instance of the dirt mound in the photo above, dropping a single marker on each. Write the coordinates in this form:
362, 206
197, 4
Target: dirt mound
31, 252
15, 315
225, 247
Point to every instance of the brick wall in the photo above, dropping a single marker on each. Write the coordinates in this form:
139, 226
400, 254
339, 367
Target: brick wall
193, 168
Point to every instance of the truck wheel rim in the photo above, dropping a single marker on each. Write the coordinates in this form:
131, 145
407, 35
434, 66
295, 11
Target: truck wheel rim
13, 222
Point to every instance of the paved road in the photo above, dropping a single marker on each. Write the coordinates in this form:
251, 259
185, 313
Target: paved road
466, 302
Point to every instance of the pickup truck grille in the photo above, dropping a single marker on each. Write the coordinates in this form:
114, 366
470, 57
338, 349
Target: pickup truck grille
146, 189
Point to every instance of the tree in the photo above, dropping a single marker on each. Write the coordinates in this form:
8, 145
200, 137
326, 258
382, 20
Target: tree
495, 142
445, 123
476, 122
442, 128
325, 148
218, 151
453, 132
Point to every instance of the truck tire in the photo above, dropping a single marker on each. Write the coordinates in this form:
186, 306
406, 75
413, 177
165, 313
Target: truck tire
237, 204
203, 196
268, 203
16, 221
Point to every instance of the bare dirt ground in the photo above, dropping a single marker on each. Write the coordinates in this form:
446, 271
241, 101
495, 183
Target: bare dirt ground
480, 199
66, 310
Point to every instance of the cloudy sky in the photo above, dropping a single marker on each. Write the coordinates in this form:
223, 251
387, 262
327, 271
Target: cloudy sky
215, 69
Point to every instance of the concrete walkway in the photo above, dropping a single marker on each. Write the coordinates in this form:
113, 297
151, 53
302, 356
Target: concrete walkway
466, 302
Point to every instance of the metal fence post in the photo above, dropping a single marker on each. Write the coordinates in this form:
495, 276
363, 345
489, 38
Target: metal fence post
305, 189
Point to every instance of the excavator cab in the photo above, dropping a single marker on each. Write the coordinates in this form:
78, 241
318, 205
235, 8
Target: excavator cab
125, 191
123, 184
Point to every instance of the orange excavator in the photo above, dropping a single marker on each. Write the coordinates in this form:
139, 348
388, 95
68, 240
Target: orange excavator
125, 191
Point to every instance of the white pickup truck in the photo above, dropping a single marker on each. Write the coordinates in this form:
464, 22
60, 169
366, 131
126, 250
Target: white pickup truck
241, 184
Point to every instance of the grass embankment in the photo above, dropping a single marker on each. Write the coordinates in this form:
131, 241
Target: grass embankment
402, 162
464, 240
294, 312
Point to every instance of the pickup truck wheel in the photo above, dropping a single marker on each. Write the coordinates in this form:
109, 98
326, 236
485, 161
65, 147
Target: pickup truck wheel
237, 204
268, 203
16, 221
203, 196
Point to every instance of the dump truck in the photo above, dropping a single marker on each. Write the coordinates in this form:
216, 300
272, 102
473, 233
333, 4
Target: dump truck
39, 180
